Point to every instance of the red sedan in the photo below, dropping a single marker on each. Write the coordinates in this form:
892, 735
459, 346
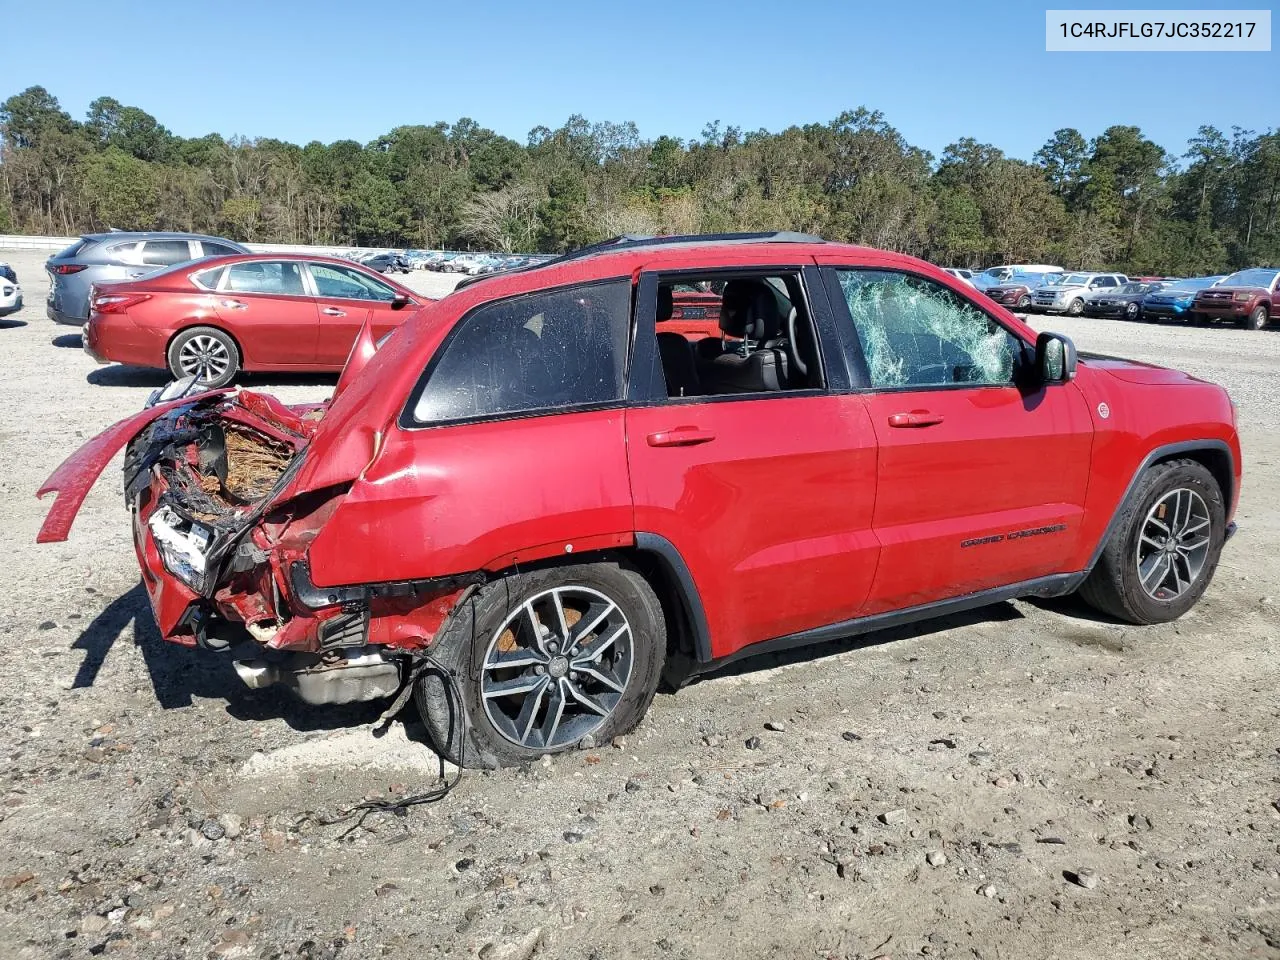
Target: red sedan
218, 316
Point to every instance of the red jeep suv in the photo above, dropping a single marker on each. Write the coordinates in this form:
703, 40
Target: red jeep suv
534, 499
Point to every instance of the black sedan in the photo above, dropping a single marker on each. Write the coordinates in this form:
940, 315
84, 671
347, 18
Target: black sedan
1123, 303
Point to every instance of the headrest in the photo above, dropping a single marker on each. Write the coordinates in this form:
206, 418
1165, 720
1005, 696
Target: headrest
749, 309
666, 303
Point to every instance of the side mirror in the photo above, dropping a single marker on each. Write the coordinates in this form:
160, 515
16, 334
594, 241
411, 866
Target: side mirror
400, 301
1055, 358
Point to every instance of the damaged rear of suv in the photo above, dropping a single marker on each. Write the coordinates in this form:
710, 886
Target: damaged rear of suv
221, 535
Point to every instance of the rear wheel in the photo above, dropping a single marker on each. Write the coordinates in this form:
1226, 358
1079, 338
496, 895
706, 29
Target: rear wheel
205, 353
1162, 555
1256, 320
542, 661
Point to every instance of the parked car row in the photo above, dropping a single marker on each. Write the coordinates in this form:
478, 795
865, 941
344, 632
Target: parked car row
1250, 298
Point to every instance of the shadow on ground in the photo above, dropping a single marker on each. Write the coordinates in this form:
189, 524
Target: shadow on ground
180, 673
9, 323
72, 341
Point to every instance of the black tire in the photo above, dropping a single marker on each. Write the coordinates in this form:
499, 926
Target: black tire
1256, 320
221, 347
1113, 585
473, 740
1133, 312
1076, 307
1025, 303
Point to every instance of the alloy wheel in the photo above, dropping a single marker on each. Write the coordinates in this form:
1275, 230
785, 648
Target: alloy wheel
204, 357
1173, 544
556, 668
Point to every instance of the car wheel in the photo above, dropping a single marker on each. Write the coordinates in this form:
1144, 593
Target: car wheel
206, 353
543, 661
1132, 311
1162, 555
1024, 303
1076, 308
1256, 320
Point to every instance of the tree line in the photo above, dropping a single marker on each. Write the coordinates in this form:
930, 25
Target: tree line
1118, 201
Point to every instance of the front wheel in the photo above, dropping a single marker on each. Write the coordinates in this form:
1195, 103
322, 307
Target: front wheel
542, 661
1162, 555
206, 353
1256, 320
1075, 308
1024, 303
1132, 311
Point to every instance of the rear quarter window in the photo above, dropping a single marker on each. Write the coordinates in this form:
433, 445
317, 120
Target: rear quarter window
561, 349
72, 250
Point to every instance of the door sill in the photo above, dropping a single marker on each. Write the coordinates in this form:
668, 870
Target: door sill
1056, 585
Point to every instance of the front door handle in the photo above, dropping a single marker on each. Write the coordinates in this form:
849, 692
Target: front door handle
333, 312
680, 437
916, 418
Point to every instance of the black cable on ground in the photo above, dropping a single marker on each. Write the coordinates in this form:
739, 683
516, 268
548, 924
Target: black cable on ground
424, 664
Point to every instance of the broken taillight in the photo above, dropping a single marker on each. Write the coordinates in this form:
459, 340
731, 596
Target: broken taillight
117, 302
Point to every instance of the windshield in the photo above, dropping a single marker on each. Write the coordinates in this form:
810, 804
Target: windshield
996, 273
1028, 279
1256, 277
1074, 280
1137, 287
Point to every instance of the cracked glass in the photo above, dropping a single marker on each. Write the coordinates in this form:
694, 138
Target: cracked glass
915, 332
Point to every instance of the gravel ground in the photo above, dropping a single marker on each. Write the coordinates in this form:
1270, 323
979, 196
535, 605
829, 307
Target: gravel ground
1022, 781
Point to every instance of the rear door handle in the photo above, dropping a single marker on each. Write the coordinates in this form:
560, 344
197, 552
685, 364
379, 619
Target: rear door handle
333, 312
916, 418
680, 437
232, 304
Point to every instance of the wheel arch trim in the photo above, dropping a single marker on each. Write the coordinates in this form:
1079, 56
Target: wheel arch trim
687, 594
1158, 455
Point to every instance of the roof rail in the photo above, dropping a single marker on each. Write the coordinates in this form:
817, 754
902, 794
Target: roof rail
633, 241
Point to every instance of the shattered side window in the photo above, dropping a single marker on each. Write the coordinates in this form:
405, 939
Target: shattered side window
915, 332
564, 348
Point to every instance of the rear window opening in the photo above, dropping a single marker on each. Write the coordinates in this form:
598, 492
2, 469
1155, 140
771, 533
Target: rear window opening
749, 333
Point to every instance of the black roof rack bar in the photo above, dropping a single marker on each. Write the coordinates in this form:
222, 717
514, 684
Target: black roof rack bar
632, 241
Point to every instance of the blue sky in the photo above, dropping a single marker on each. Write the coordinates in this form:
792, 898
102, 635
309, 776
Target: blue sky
325, 70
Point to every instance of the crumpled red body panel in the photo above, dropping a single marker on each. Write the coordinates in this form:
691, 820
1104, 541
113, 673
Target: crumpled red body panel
76, 475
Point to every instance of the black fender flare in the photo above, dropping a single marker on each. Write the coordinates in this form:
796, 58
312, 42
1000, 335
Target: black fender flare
1164, 452
669, 556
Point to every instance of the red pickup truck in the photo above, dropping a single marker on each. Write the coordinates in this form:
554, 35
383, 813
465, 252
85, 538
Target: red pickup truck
1247, 296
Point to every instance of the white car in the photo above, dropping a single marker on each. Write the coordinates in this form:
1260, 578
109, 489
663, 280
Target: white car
994, 276
1069, 294
960, 273
10, 297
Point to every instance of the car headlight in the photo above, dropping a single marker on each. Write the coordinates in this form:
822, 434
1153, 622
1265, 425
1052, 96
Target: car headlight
1240, 296
182, 545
